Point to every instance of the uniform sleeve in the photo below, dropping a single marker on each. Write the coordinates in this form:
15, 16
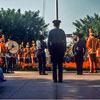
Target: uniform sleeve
84, 48
49, 41
64, 42
73, 48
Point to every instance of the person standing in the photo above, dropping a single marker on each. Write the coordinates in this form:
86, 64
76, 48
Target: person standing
19, 55
27, 53
57, 49
3, 51
79, 49
92, 45
41, 46
32, 52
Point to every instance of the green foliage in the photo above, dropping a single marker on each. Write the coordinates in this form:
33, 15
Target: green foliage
21, 27
83, 25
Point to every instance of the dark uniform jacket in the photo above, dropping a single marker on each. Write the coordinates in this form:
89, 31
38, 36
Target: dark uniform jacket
57, 43
79, 49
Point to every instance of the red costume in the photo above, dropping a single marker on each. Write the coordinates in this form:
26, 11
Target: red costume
92, 45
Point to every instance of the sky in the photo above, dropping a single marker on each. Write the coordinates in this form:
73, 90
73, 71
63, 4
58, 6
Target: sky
69, 10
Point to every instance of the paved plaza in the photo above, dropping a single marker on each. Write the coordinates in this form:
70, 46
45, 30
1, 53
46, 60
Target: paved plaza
30, 85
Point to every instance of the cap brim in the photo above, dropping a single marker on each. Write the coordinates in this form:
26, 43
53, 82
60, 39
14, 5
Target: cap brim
57, 21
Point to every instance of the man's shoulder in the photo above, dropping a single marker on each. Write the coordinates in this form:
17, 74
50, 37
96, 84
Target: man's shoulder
61, 30
51, 30
56, 29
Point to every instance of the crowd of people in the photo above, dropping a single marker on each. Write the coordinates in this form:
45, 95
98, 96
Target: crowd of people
57, 47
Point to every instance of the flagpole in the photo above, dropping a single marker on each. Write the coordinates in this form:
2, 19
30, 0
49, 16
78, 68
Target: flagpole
56, 9
43, 16
44, 9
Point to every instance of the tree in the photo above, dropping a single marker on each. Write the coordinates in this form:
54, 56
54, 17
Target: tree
83, 25
21, 27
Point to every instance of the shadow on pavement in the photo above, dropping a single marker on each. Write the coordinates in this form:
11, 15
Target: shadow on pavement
42, 88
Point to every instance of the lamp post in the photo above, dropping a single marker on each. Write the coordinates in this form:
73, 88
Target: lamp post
56, 9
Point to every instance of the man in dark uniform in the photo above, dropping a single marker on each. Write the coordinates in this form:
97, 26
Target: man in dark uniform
79, 49
41, 46
57, 48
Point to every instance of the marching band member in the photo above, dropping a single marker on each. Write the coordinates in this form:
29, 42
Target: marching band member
22, 49
19, 54
8, 40
26, 52
2, 53
6, 45
32, 51
92, 45
3, 38
98, 52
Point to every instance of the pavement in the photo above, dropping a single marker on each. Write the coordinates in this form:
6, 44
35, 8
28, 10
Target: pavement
30, 85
